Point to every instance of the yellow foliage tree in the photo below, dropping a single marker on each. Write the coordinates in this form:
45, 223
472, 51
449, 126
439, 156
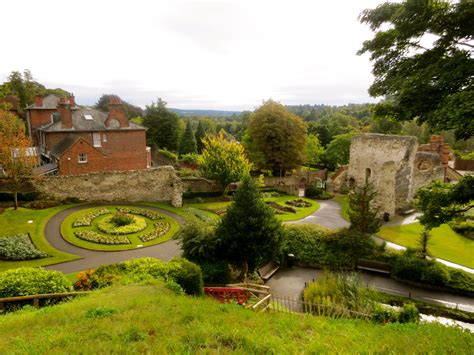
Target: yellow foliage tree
15, 157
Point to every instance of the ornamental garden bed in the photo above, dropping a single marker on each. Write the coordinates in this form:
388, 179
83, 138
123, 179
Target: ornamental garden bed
117, 228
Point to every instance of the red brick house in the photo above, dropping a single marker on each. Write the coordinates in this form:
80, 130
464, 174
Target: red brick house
77, 140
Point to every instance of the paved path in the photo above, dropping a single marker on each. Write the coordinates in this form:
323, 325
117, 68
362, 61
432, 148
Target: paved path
291, 282
93, 259
327, 215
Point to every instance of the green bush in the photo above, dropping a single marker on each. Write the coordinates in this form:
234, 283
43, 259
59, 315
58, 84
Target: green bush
460, 280
409, 314
317, 246
384, 314
215, 272
121, 224
410, 266
31, 281
168, 154
463, 227
190, 158
19, 247
185, 273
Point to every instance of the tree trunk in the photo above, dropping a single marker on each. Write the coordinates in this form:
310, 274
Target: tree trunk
15, 196
243, 271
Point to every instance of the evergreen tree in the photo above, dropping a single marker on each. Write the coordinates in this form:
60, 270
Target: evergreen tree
199, 136
249, 232
163, 126
362, 214
188, 142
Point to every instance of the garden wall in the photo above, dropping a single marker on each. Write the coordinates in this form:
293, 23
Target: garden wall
156, 184
464, 164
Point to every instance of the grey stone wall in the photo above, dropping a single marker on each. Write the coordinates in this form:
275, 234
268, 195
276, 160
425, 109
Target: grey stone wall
157, 184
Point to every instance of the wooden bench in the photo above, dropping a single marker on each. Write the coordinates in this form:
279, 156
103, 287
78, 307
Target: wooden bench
376, 266
267, 270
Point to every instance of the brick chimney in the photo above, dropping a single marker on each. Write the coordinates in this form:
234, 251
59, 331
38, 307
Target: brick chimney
38, 101
116, 113
64, 109
72, 100
445, 152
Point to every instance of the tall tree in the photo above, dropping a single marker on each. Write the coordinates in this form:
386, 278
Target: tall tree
422, 56
15, 157
163, 126
362, 214
223, 160
199, 136
314, 151
441, 203
188, 142
337, 152
279, 135
249, 232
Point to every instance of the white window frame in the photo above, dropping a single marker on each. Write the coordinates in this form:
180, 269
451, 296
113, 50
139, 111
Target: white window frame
82, 158
104, 137
96, 140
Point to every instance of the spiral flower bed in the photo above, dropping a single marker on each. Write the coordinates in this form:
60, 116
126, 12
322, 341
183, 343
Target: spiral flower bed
117, 228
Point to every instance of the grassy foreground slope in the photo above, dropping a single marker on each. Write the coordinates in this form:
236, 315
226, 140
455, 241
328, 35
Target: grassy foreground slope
149, 318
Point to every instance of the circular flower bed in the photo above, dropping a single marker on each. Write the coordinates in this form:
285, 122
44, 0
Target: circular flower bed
111, 224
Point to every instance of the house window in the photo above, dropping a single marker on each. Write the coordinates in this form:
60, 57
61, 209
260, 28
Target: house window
82, 158
96, 139
104, 137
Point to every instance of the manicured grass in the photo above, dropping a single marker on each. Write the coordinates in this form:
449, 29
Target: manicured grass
150, 319
343, 201
444, 243
67, 231
14, 222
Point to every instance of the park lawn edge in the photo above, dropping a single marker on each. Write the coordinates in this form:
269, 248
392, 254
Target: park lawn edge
39, 239
67, 232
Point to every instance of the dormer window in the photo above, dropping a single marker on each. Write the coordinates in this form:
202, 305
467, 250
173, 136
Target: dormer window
88, 117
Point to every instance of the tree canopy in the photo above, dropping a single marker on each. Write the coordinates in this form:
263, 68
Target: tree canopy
338, 151
249, 232
15, 157
422, 55
129, 109
279, 135
223, 160
163, 126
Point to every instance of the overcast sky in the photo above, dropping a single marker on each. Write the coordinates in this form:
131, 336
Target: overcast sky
193, 54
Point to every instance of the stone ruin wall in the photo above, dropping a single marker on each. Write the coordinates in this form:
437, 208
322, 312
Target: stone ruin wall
156, 184
390, 160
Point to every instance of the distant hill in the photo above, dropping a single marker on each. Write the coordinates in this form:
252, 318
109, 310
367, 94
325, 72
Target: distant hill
211, 113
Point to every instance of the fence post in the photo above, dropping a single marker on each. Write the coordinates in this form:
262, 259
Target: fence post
36, 303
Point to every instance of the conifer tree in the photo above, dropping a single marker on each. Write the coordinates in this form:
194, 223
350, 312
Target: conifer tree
188, 142
362, 215
249, 232
199, 136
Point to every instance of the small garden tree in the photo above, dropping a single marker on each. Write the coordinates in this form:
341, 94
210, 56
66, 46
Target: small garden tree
15, 159
362, 214
223, 160
441, 203
249, 232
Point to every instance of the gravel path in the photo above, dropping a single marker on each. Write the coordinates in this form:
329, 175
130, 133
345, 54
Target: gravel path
93, 259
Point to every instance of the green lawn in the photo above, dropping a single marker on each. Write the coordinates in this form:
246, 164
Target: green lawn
14, 222
444, 243
150, 319
343, 201
68, 232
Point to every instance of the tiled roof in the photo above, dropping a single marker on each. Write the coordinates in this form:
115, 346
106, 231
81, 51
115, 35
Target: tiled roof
80, 123
62, 146
50, 102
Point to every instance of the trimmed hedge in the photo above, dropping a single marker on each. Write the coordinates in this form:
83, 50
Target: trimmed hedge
185, 273
31, 281
19, 247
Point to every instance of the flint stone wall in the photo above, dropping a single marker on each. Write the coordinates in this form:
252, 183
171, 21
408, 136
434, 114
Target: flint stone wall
156, 184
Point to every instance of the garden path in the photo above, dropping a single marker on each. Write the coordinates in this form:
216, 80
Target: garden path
92, 259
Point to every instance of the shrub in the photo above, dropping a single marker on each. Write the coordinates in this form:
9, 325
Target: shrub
19, 247
410, 266
384, 314
31, 281
185, 273
463, 227
215, 272
190, 158
298, 203
409, 314
315, 191
94, 237
168, 154
460, 280
109, 224
199, 242
86, 219
86, 281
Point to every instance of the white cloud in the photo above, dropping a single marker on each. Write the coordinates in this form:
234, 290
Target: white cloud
194, 54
